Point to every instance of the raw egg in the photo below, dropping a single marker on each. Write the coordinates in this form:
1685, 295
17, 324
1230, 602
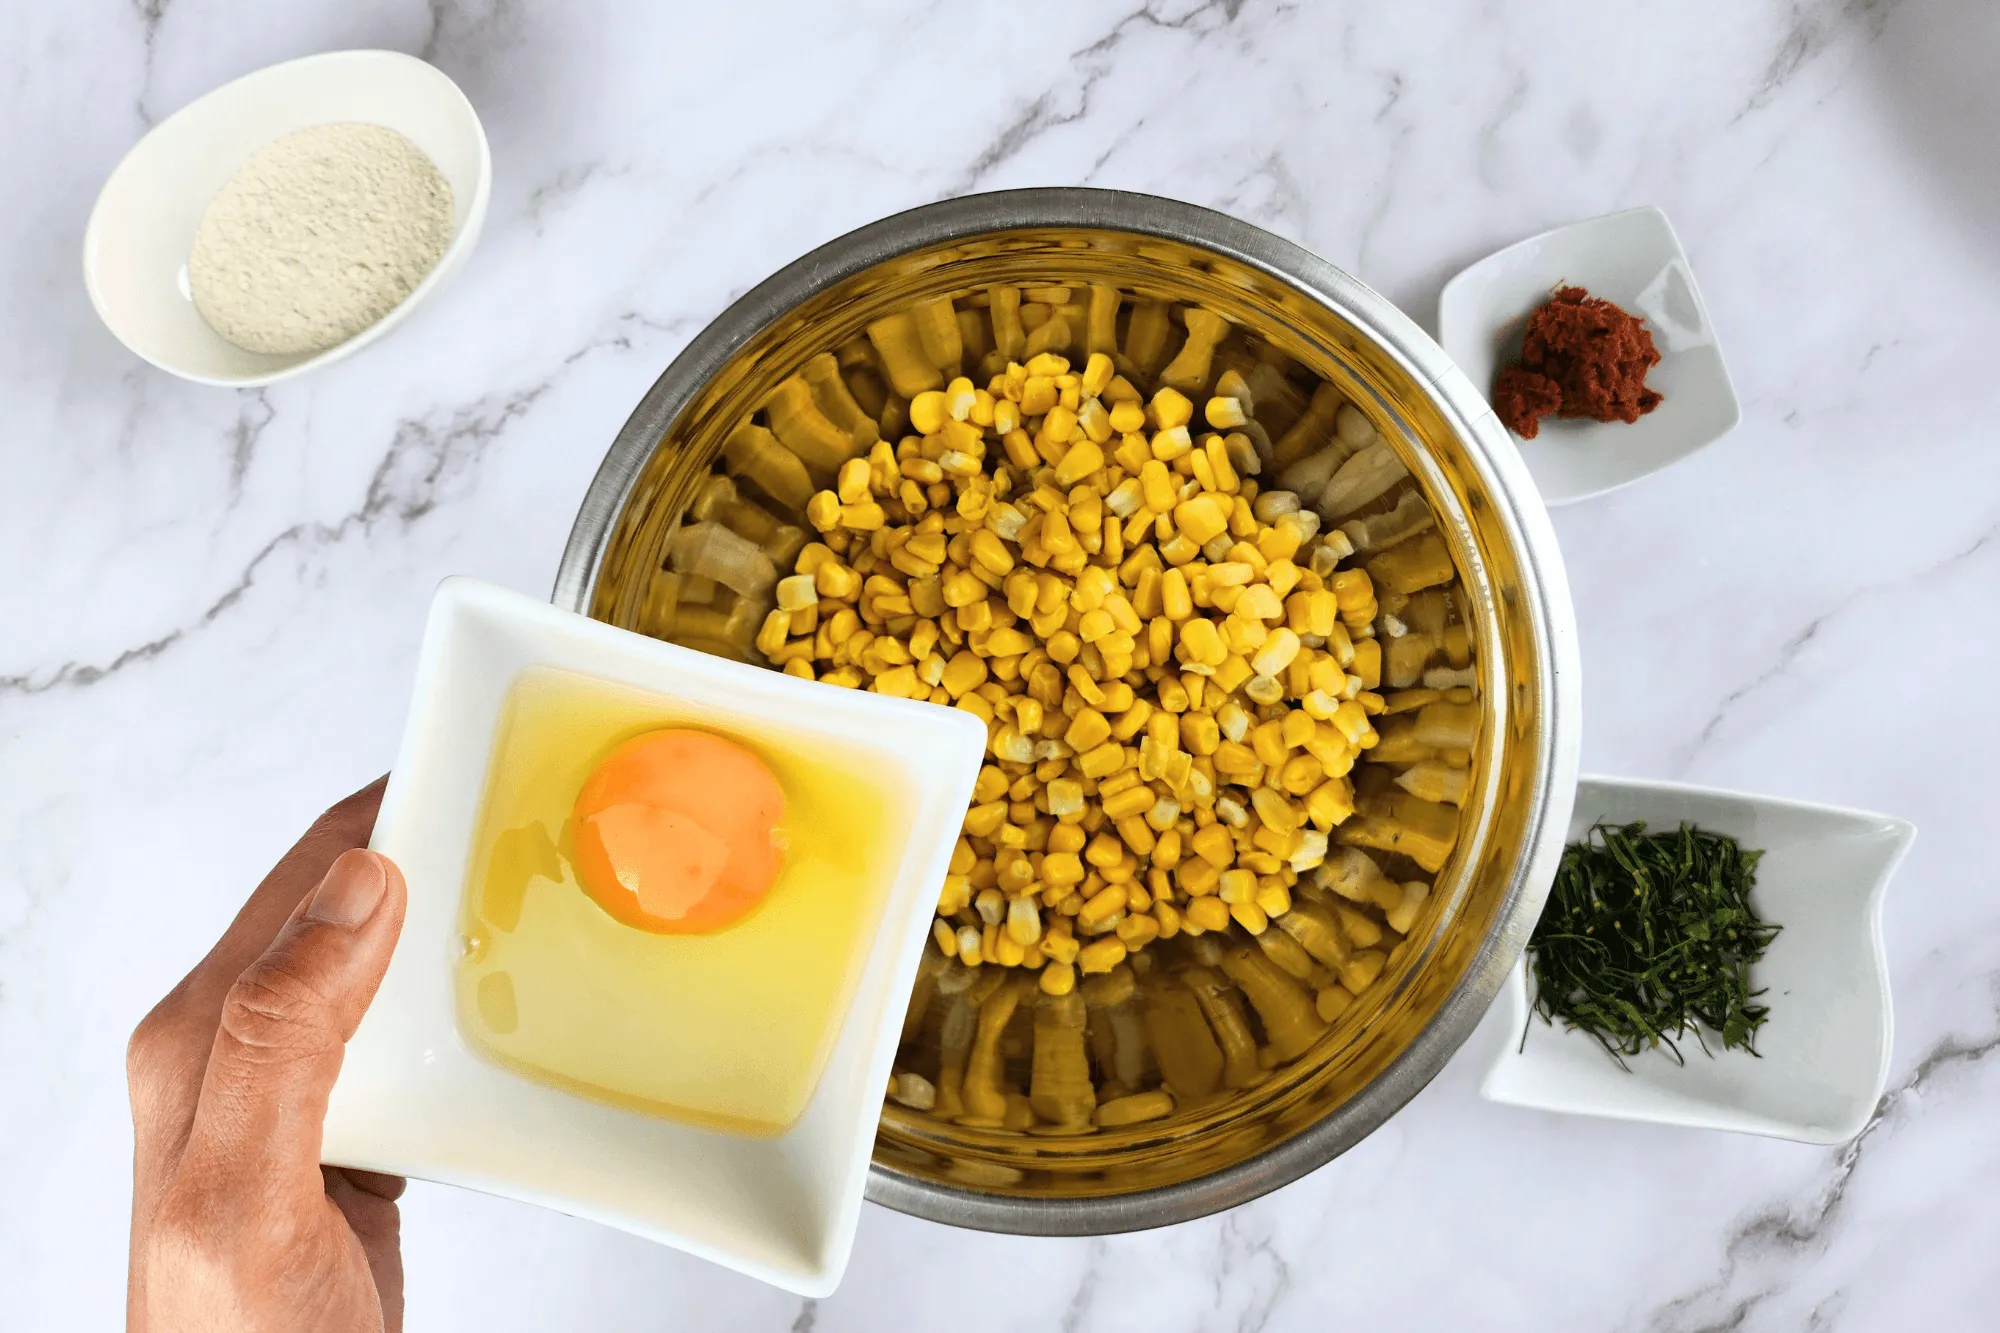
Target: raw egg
613, 945
677, 832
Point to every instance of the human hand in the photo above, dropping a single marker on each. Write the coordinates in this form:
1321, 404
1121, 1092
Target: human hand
235, 1224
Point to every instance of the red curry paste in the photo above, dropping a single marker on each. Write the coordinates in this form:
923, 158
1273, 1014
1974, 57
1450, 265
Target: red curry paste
1581, 357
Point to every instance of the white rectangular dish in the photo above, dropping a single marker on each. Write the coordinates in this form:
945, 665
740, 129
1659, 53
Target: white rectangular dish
415, 1099
1822, 1056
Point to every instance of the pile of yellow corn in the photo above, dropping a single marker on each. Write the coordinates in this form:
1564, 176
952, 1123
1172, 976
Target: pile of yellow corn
1143, 593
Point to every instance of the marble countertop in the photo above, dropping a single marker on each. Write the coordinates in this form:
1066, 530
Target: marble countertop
211, 600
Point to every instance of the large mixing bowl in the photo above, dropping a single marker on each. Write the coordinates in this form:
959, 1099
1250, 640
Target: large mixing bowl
1488, 895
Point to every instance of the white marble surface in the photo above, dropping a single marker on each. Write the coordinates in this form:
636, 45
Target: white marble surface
211, 600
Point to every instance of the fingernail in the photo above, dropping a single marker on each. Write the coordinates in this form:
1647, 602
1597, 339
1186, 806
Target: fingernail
349, 894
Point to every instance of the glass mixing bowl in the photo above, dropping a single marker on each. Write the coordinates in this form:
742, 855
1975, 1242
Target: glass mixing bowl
1485, 900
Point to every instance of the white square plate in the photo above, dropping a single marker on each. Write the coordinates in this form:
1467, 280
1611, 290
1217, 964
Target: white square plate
414, 1099
1634, 260
1825, 1048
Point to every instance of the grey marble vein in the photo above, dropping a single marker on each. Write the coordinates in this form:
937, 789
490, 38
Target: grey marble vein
152, 13
1392, 93
254, 414
1282, 203
566, 184
1813, 30
404, 487
1044, 113
461, 33
1492, 167
1076, 1315
1762, 1253
1384, 203
1068, 104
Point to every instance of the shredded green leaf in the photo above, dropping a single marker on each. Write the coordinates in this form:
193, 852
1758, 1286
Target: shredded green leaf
1647, 937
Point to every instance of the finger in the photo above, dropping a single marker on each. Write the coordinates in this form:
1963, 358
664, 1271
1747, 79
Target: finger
169, 1050
345, 826
372, 1182
378, 1226
283, 1025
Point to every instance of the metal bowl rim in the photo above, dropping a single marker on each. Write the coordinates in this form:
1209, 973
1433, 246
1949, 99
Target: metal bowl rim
1456, 400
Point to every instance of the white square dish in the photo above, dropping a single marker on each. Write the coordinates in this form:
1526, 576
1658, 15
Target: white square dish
1634, 260
1822, 1056
415, 1099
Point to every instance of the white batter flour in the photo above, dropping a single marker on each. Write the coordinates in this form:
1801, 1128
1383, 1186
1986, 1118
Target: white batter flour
318, 235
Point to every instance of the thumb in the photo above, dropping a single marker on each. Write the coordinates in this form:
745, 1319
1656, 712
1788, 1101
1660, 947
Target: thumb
284, 1024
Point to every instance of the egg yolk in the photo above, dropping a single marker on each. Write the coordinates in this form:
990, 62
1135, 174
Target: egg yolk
676, 832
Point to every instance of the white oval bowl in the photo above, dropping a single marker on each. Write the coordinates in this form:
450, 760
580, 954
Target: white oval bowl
136, 245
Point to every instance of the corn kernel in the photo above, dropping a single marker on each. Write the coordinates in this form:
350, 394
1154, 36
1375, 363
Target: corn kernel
852, 483
1136, 932
1224, 413
1082, 459
1207, 914
1101, 955
929, 411
1058, 944
963, 673
864, 517
1201, 643
1024, 921
1065, 801
1330, 803
1127, 418
1300, 774
1104, 759
1134, 800
1097, 372
1103, 851
1171, 445
1199, 733
1277, 652
1235, 758
823, 511
1096, 625
1201, 520
1171, 408
1137, 834
1264, 690
797, 592
1086, 685
1237, 885
1157, 487
1274, 900
1351, 720
1214, 845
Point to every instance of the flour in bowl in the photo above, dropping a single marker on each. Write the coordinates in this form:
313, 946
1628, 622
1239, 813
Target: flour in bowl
318, 235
